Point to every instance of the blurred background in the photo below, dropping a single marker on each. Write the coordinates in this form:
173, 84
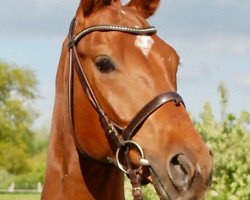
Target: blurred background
212, 39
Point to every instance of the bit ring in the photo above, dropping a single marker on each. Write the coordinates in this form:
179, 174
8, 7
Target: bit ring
126, 144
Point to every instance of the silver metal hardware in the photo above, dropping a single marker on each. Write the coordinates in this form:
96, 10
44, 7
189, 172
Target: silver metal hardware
126, 144
144, 162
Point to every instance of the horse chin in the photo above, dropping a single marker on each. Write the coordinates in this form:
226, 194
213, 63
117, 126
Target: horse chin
162, 193
167, 191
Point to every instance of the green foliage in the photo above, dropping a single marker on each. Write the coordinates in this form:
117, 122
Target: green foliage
5, 179
17, 88
40, 140
16, 81
20, 196
13, 158
229, 140
223, 99
29, 178
22, 150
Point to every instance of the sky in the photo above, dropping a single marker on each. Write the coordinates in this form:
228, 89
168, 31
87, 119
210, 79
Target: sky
211, 37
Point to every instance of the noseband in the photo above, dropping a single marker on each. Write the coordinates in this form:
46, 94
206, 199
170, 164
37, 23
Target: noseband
120, 139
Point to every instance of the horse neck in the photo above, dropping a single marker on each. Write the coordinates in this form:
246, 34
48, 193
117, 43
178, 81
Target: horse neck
69, 175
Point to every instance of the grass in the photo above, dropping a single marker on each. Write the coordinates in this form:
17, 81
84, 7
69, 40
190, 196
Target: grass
148, 194
20, 196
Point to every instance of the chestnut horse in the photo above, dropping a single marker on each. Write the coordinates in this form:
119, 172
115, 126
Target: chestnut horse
116, 110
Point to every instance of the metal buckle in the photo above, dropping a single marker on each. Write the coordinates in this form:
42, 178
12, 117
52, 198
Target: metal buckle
111, 128
143, 161
134, 190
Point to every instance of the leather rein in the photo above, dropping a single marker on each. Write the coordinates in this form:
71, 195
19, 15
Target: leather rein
119, 138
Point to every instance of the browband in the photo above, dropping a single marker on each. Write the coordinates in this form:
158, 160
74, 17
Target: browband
105, 28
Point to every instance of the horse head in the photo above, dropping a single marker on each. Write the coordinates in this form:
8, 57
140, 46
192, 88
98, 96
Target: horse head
129, 70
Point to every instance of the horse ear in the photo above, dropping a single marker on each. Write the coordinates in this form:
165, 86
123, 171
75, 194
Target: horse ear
86, 7
146, 7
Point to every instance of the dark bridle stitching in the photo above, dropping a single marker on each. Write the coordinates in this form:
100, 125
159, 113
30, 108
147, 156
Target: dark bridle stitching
112, 130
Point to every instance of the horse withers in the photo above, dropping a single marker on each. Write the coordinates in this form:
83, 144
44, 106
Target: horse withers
117, 111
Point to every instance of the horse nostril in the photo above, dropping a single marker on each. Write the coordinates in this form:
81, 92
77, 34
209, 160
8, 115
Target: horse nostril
181, 171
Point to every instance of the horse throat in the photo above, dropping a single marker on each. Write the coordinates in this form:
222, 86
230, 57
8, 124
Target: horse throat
102, 181
69, 175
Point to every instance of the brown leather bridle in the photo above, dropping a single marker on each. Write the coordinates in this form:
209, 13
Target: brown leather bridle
120, 139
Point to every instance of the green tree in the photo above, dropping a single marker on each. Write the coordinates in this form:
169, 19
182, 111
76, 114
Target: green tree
17, 90
229, 140
223, 99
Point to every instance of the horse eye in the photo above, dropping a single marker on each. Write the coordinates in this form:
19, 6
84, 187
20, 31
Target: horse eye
104, 64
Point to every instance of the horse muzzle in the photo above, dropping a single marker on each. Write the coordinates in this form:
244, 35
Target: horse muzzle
180, 178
